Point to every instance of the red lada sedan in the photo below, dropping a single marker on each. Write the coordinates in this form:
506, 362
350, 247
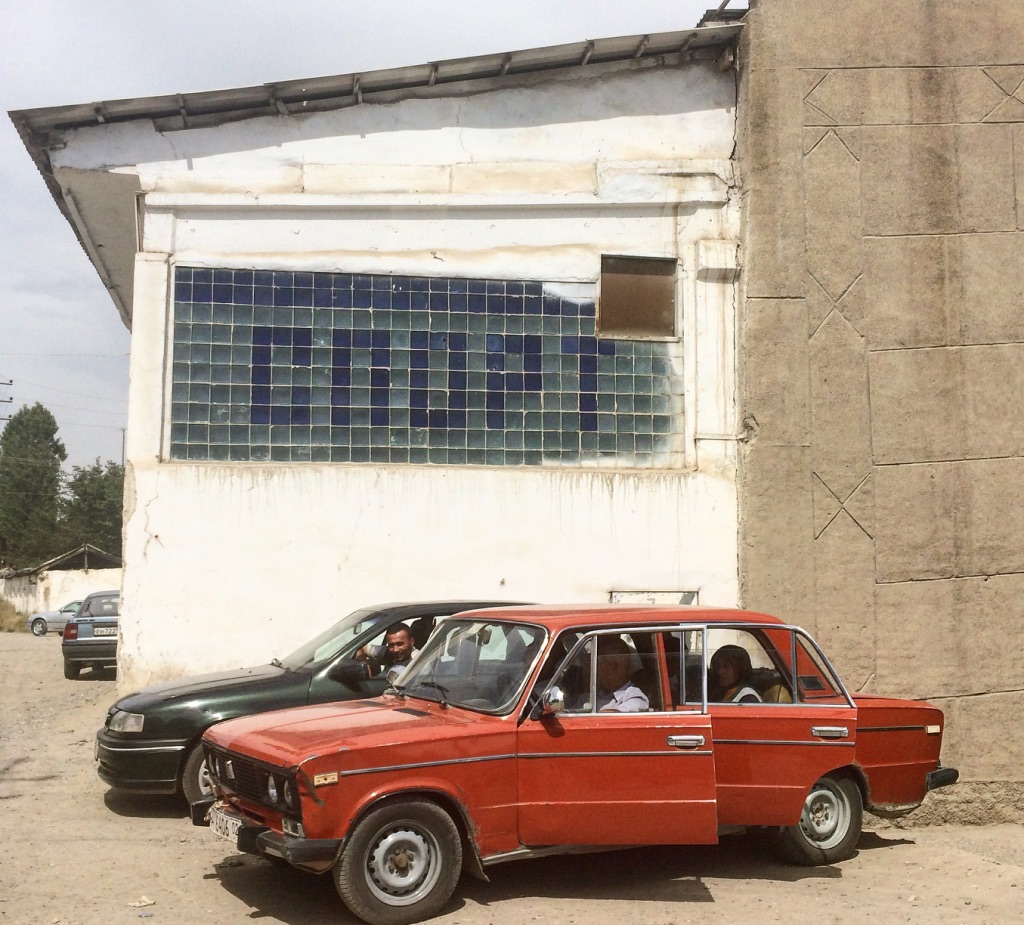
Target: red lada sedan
535, 730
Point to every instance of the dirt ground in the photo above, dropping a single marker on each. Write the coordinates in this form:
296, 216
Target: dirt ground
77, 853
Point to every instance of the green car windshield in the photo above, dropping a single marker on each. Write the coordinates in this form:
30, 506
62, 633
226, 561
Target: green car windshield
332, 640
479, 664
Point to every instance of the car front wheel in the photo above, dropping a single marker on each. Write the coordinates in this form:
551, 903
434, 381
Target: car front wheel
401, 863
195, 779
829, 827
39, 627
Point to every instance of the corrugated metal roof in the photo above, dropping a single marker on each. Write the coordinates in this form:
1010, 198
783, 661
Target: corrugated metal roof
290, 97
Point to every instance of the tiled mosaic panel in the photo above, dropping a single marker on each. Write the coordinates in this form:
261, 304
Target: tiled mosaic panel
335, 367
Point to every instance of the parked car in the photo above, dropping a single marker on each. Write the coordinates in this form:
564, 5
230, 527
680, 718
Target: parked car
52, 621
90, 637
506, 739
149, 741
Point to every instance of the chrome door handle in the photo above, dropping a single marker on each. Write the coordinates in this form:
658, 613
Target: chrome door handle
830, 732
686, 741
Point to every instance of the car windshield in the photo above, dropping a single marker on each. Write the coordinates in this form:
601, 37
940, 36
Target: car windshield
331, 641
479, 664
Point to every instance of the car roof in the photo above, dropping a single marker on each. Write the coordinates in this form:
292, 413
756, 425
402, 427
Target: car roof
563, 616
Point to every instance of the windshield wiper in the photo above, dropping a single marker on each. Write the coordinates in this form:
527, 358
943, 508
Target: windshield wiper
443, 691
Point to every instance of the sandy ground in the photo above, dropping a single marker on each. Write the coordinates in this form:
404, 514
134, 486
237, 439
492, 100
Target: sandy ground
76, 853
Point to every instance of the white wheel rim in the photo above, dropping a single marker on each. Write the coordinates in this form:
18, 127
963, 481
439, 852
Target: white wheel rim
825, 819
205, 784
403, 864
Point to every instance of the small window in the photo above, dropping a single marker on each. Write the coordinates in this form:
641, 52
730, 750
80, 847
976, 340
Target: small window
637, 299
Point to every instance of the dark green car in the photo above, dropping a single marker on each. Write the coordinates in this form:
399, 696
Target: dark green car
148, 743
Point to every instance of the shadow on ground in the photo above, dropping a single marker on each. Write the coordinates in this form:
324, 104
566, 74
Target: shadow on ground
665, 874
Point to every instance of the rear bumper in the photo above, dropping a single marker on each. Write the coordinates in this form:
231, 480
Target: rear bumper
87, 653
942, 777
139, 766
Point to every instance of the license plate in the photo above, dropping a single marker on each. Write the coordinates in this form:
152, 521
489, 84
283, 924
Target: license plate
104, 631
225, 826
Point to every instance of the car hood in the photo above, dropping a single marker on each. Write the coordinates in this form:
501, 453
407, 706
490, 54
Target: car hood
289, 737
226, 683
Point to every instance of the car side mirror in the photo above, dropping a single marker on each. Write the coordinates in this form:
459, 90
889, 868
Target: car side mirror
350, 671
553, 701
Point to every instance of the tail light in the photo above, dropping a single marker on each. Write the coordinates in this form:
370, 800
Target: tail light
71, 631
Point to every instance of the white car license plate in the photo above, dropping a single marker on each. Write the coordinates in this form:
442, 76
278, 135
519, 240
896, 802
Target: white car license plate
104, 631
224, 825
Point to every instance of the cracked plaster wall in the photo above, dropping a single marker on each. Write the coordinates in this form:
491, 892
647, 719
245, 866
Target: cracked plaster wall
882, 346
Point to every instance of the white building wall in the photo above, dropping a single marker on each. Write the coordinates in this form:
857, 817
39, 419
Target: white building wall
52, 590
230, 564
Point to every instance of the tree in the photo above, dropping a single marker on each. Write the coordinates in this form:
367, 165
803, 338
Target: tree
30, 484
92, 506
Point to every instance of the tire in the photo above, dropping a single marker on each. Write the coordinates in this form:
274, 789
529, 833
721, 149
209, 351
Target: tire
401, 863
195, 779
829, 827
72, 670
39, 627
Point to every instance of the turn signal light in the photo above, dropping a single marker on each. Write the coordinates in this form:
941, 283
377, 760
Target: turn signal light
71, 631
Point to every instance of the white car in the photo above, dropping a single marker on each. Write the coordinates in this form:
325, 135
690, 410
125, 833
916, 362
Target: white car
49, 621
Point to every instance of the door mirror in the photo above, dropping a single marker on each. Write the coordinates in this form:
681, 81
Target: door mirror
553, 701
351, 672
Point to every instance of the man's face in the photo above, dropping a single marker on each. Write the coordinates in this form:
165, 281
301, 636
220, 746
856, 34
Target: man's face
399, 646
612, 671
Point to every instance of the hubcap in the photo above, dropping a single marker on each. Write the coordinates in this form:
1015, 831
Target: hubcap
205, 785
825, 819
402, 865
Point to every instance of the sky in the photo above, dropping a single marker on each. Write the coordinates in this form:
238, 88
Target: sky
62, 342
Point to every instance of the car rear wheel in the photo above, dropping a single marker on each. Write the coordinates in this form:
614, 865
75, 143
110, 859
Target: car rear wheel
195, 779
829, 827
401, 863
39, 627
72, 670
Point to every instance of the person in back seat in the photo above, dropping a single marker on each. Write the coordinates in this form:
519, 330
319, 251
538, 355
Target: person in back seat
730, 670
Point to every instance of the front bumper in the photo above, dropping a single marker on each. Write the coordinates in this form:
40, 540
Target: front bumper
139, 765
312, 854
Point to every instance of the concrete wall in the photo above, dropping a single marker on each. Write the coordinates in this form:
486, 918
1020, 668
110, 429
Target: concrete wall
231, 564
882, 340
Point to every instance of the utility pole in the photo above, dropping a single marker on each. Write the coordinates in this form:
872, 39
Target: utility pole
6, 401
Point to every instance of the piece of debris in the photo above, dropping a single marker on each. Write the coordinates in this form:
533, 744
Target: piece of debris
145, 901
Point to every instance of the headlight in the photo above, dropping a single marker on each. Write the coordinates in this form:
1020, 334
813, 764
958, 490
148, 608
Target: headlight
271, 788
289, 794
126, 722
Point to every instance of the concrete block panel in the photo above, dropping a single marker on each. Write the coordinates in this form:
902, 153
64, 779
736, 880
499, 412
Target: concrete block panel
976, 741
879, 33
775, 542
906, 96
990, 514
992, 607
908, 297
826, 506
775, 351
844, 600
919, 644
916, 405
861, 505
832, 209
915, 522
937, 179
986, 168
993, 400
840, 415
770, 149
987, 277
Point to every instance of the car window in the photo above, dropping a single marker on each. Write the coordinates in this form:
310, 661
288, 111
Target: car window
745, 666
617, 672
330, 642
105, 606
479, 664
